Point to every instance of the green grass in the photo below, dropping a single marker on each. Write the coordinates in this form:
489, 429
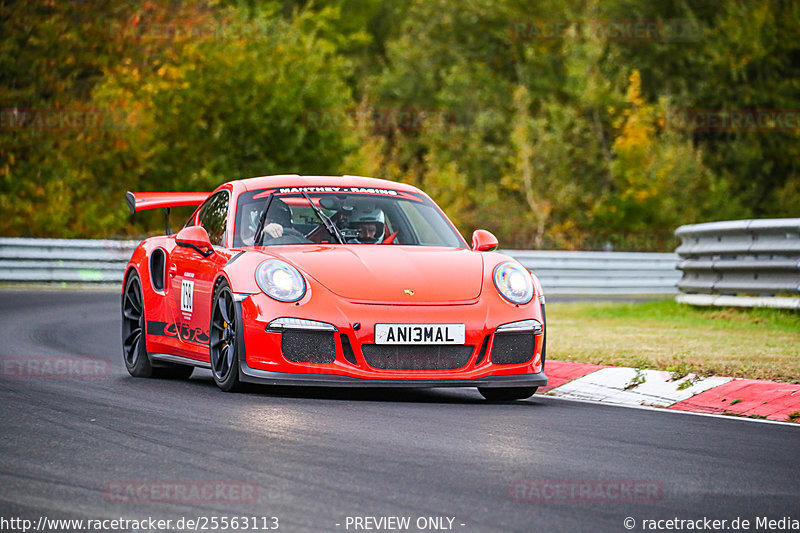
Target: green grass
746, 343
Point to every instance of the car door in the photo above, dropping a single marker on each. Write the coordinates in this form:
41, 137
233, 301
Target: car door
192, 278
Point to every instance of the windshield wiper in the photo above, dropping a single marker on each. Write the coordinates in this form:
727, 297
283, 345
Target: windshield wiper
329, 225
258, 238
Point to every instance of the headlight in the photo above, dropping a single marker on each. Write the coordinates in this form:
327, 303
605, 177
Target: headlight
513, 282
280, 280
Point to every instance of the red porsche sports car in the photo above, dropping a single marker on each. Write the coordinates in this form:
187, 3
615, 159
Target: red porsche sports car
331, 281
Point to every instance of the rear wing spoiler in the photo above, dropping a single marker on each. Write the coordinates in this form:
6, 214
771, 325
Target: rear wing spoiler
140, 201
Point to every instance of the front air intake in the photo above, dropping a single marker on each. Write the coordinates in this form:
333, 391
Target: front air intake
425, 357
347, 350
308, 346
512, 348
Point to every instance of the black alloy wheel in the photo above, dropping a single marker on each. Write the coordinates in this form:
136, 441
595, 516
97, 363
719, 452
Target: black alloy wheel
134, 347
134, 350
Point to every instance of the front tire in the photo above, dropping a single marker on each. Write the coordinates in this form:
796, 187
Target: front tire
506, 394
224, 340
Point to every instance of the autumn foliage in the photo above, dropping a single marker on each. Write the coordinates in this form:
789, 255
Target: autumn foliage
545, 123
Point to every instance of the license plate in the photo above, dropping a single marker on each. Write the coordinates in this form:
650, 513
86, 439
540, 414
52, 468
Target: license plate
419, 333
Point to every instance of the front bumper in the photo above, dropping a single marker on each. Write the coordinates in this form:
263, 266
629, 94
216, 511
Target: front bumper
262, 359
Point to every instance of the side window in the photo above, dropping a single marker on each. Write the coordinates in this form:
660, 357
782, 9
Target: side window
213, 217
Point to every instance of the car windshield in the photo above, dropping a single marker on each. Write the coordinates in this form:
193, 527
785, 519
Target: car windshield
344, 215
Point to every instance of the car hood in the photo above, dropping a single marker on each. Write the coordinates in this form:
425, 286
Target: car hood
392, 274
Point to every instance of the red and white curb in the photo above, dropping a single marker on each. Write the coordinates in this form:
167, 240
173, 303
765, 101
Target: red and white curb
656, 388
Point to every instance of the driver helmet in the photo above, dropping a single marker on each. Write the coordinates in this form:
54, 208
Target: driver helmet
369, 226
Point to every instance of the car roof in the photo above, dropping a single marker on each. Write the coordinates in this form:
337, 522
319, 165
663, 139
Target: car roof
295, 180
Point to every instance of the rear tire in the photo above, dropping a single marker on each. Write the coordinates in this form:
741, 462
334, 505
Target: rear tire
134, 341
506, 394
224, 341
134, 351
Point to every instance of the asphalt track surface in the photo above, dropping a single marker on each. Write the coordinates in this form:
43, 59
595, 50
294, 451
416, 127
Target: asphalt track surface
313, 457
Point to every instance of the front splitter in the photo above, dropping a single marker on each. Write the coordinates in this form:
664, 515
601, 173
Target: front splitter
265, 377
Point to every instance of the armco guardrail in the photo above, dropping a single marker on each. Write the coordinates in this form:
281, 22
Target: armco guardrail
602, 272
103, 262
741, 262
64, 260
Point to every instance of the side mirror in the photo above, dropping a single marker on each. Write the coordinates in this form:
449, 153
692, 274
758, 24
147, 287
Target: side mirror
196, 238
483, 241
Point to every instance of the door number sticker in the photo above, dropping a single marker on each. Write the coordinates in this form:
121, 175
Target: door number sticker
187, 293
